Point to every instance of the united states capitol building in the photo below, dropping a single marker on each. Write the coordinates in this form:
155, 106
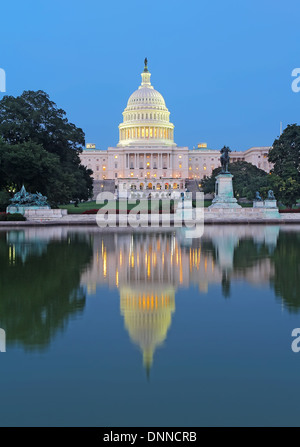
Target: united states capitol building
147, 158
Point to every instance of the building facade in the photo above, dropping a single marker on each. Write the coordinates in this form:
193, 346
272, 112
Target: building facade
147, 157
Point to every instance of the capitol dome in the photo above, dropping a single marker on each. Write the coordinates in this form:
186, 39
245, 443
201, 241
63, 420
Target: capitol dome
146, 117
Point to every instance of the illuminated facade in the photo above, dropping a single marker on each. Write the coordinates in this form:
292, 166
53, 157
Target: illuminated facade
147, 157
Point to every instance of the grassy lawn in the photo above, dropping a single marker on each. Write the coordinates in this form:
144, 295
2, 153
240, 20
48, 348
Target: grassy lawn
85, 206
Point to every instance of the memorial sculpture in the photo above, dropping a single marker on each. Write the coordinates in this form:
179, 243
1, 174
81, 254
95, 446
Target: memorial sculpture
224, 197
271, 195
258, 197
26, 199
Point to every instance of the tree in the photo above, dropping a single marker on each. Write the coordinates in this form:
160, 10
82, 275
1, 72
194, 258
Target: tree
285, 156
32, 123
40, 291
247, 179
285, 190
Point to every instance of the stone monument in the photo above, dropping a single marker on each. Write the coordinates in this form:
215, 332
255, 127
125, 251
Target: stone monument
224, 197
268, 206
33, 206
24, 200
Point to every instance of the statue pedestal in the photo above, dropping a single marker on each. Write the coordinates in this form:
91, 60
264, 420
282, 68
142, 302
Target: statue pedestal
224, 193
270, 203
268, 208
21, 209
258, 204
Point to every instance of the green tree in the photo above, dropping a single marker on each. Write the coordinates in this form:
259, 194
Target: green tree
285, 156
247, 179
40, 287
32, 122
286, 261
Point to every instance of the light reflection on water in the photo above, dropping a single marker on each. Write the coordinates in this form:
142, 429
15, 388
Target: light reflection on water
48, 276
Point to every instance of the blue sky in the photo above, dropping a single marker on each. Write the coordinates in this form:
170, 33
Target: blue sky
223, 67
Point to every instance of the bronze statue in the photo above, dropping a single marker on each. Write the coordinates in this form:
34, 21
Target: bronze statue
25, 198
146, 64
224, 159
271, 195
257, 197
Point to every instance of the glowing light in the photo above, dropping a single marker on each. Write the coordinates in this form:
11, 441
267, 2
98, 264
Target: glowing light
104, 264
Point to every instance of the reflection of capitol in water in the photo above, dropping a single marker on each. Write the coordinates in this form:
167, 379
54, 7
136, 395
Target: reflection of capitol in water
148, 269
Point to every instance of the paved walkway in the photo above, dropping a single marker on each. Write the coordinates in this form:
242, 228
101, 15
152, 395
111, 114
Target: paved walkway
79, 219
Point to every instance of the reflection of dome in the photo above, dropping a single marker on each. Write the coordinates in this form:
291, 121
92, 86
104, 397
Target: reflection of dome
147, 317
146, 117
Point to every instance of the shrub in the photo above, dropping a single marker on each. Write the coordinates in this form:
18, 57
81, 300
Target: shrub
290, 210
15, 217
11, 217
4, 200
90, 212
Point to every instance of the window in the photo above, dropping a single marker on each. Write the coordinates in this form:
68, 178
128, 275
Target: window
116, 175
116, 165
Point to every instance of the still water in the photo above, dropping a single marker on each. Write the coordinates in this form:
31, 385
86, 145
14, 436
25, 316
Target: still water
153, 329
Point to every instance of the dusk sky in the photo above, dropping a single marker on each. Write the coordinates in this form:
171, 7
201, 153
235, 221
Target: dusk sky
223, 67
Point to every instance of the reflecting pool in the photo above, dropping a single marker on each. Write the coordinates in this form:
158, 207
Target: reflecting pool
149, 329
